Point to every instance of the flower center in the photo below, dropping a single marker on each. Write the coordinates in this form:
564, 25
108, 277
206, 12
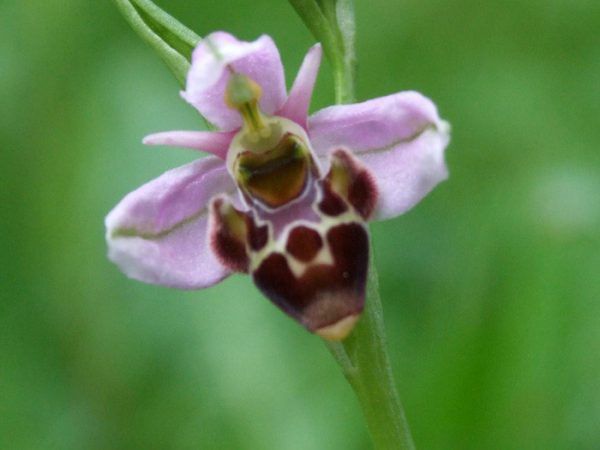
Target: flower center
269, 157
275, 176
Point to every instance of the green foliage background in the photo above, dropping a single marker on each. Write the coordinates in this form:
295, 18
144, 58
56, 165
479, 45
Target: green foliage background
491, 286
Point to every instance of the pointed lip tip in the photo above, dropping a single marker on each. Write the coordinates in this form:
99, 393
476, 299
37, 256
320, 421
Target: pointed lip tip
338, 331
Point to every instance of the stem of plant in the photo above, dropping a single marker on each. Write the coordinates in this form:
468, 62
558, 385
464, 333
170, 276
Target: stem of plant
364, 360
363, 356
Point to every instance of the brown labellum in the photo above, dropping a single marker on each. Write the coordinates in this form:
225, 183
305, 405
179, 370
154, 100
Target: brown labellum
304, 239
322, 294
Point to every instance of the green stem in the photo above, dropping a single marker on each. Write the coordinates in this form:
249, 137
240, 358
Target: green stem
341, 14
363, 356
170, 39
365, 363
327, 21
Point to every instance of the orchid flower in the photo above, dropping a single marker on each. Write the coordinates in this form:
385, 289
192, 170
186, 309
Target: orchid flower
283, 197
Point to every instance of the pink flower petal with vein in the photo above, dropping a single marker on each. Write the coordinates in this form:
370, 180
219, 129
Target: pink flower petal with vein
158, 233
400, 138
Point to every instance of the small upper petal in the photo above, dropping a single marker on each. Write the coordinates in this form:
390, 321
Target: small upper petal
296, 106
158, 233
400, 138
216, 142
208, 76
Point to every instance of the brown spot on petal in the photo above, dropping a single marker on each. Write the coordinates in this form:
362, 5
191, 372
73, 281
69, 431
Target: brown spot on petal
325, 294
276, 280
304, 243
257, 236
228, 235
349, 244
353, 181
362, 194
331, 203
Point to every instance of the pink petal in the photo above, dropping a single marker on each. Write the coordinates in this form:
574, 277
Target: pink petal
216, 143
296, 106
208, 76
158, 233
400, 138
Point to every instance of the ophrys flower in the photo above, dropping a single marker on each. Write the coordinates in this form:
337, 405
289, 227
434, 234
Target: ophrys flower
284, 197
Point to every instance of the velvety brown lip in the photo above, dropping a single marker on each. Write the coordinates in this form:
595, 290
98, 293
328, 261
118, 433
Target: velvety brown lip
325, 293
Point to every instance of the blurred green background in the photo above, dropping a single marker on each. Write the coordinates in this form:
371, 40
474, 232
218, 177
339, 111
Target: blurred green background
491, 286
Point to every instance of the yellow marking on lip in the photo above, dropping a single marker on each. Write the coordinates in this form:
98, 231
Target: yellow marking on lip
339, 330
